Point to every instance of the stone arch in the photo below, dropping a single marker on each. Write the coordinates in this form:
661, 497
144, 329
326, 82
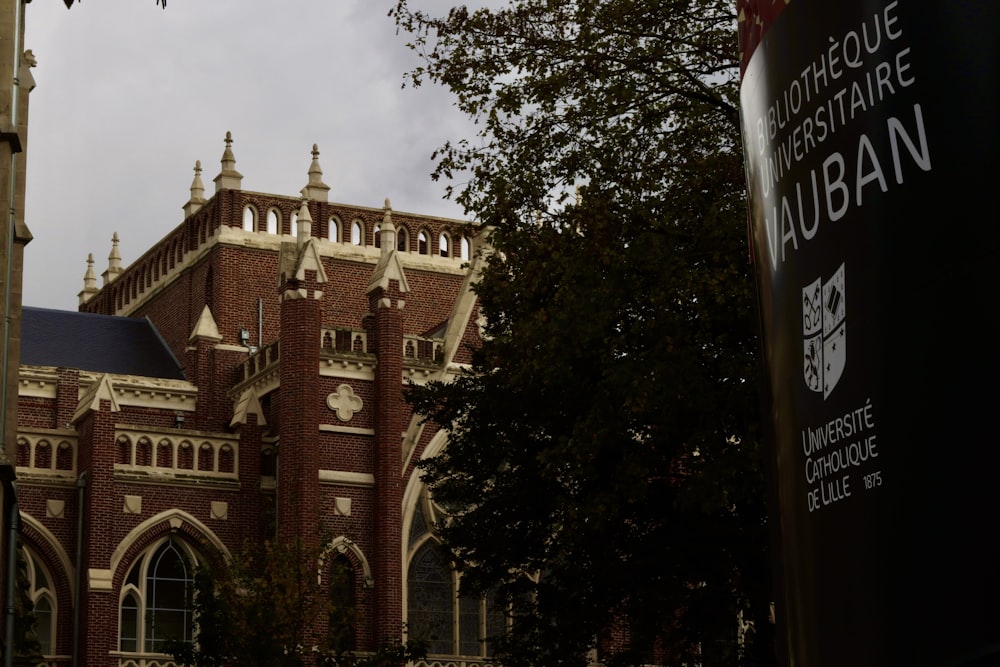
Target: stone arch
345, 545
45, 543
172, 521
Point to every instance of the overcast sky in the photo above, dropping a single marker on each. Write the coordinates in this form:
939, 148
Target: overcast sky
129, 95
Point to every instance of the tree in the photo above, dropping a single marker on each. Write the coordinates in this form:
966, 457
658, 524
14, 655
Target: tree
267, 608
606, 439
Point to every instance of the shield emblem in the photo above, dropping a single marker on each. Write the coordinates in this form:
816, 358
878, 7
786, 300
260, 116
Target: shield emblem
824, 332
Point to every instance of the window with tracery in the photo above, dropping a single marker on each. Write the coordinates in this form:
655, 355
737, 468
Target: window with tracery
156, 601
450, 624
43, 597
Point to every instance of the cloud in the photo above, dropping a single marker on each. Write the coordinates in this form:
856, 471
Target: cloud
129, 95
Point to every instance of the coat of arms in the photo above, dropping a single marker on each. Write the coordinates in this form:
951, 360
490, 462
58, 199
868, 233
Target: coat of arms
824, 332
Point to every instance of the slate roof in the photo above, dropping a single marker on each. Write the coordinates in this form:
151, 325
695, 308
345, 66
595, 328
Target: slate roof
98, 343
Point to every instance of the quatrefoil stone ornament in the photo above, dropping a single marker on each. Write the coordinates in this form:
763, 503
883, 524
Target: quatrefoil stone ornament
344, 402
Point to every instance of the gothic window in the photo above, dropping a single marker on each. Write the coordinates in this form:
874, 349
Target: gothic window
377, 236
357, 233
423, 245
402, 239
444, 245
344, 599
333, 231
249, 219
295, 224
272, 222
464, 248
43, 597
155, 602
450, 623
431, 590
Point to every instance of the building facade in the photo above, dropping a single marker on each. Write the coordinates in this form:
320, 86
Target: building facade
243, 379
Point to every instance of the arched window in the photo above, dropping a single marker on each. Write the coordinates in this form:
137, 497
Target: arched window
249, 219
423, 243
155, 601
402, 239
377, 236
272, 222
343, 597
43, 597
444, 245
465, 248
450, 623
357, 233
431, 594
333, 231
294, 224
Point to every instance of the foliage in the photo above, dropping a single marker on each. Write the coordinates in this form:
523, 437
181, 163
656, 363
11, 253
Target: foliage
607, 436
267, 608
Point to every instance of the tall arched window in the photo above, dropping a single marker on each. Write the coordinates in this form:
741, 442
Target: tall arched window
333, 231
155, 601
44, 598
344, 600
272, 222
431, 595
423, 243
377, 236
294, 224
249, 219
450, 623
402, 239
464, 248
357, 233
444, 245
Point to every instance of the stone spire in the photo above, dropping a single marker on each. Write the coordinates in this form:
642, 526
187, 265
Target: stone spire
389, 269
114, 261
316, 189
89, 281
304, 220
228, 178
197, 199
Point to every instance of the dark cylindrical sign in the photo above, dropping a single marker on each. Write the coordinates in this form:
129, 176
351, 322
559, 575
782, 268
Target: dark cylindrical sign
871, 138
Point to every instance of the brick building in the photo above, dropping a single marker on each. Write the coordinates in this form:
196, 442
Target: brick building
244, 375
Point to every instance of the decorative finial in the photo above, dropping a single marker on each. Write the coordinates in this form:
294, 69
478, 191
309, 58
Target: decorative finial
197, 192
89, 281
304, 221
114, 261
318, 190
228, 178
387, 232
227, 155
